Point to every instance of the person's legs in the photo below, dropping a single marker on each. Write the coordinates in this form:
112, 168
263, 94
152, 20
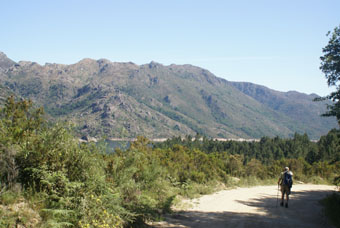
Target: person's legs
287, 195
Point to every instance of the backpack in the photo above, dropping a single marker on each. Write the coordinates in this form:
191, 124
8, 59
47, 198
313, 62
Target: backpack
287, 179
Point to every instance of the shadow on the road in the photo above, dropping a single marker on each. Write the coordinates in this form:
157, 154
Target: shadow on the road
304, 211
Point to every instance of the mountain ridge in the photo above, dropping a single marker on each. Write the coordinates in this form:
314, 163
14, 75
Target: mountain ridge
158, 101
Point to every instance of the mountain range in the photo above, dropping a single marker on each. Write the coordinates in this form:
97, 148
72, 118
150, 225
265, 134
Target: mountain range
117, 100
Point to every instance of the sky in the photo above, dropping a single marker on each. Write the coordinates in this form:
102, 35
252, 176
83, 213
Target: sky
273, 43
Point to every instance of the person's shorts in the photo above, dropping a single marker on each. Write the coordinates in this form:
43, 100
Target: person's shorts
285, 189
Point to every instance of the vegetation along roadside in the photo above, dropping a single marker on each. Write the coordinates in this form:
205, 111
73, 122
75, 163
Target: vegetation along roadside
49, 179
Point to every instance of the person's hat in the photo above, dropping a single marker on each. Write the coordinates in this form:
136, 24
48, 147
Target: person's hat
286, 168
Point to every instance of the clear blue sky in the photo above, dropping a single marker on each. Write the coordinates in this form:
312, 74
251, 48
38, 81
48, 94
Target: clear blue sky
272, 43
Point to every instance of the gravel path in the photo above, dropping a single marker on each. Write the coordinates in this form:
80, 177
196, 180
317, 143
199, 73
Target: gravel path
254, 207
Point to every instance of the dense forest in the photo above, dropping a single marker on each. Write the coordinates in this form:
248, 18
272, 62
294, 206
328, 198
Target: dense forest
50, 179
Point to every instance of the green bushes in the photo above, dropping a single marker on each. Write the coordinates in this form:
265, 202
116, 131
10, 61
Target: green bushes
70, 184
309, 161
141, 181
50, 163
74, 184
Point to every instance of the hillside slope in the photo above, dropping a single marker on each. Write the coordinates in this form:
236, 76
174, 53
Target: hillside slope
126, 100
298, 106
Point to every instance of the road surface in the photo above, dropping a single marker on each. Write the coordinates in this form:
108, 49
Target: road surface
254, 207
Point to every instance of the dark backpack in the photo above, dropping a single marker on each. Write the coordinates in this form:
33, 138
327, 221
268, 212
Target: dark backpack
287, 179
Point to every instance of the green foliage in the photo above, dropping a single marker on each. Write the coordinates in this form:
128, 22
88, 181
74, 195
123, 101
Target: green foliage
73, 184
266, 158
57, 217
329, 145
234, 164
140, 179
330, 66
83, 102
255, 168
19, 124
102, 211
9, 197
191, 165
8, 167
337, 181
50, 161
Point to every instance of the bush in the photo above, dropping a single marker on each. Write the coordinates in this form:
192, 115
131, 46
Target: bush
337, 181
49, 161
9, 197
140, 180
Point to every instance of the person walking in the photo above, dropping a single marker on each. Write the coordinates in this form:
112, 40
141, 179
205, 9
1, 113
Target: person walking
286, 182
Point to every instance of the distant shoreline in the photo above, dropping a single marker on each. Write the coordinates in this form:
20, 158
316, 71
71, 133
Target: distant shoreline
164, 139
93, 139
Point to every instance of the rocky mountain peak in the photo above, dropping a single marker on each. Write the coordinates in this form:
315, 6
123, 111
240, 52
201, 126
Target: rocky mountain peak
5, 62
154, 64
26, 63
103, 61
2, 55
86, 61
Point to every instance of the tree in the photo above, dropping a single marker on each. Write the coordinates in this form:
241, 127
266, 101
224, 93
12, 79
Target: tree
330, 66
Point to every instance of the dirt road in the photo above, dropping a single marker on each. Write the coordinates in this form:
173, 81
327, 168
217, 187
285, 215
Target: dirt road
254, 207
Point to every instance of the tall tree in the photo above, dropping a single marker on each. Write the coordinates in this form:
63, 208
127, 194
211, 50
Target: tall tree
330, 66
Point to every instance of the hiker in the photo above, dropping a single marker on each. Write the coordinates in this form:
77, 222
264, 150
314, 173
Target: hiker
286, 182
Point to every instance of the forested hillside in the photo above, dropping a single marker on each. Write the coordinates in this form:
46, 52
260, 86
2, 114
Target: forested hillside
298, 106
49, 179
105, 98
